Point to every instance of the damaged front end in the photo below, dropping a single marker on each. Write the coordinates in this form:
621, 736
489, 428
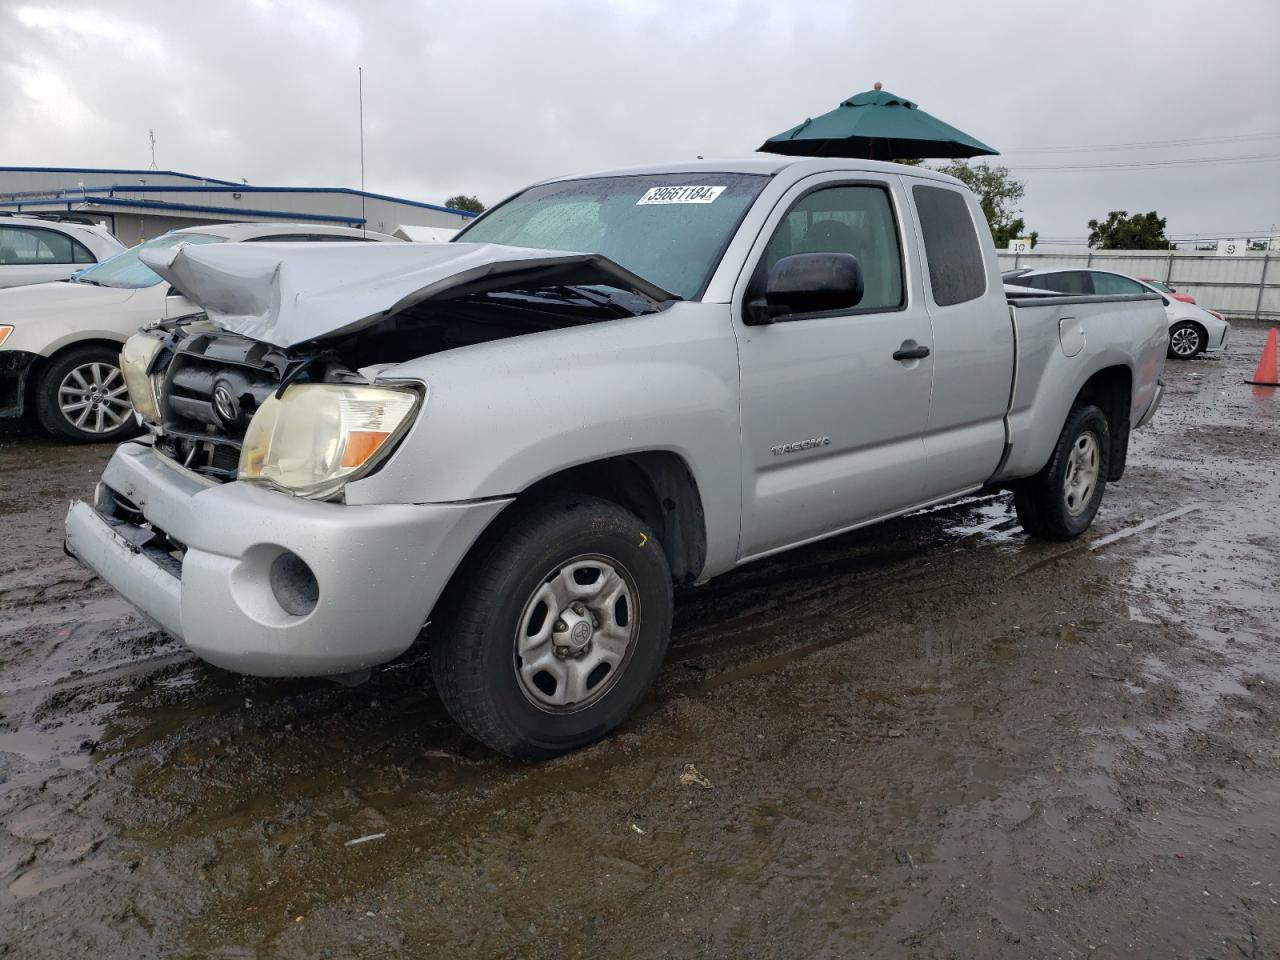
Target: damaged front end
205, 385
243, 392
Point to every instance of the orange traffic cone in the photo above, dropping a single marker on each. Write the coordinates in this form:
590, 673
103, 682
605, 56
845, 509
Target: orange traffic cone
1266, 374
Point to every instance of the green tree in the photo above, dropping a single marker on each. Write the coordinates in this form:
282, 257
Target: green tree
461, 201
999, 194
1142, 231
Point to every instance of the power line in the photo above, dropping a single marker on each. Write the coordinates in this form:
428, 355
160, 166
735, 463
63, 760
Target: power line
1144, 144
1147, 164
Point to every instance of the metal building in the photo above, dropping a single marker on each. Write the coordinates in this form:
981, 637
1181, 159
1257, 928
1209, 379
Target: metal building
138, 205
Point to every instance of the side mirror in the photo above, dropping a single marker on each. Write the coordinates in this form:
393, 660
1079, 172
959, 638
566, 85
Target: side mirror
1164, 300
810, 283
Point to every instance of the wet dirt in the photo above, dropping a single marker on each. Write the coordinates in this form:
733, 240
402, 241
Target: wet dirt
935, 738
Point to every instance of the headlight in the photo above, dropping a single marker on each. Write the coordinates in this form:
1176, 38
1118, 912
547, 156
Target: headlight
135, 359
5, 330
318, 436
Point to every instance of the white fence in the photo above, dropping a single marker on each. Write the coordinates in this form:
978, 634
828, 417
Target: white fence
1245, 286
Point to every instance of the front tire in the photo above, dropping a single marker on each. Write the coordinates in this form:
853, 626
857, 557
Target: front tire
81, 397
1060, 501
555, 630
1186, 340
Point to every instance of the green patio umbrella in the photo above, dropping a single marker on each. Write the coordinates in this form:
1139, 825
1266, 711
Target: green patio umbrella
876, 125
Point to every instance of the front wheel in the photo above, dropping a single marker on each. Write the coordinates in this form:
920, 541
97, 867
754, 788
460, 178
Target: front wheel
1060, 501
1186, 340
555, 630
81, 397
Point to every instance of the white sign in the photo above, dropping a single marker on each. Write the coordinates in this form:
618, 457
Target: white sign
1020, 245
1232, 248
681, 195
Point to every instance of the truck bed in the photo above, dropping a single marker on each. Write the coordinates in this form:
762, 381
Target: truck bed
1051, 333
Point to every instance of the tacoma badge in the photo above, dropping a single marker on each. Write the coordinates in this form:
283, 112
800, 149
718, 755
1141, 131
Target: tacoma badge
800, 445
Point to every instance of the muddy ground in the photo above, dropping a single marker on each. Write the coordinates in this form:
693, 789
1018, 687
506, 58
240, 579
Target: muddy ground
931, 739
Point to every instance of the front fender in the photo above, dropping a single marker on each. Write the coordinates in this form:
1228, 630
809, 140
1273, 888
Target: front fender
503, 415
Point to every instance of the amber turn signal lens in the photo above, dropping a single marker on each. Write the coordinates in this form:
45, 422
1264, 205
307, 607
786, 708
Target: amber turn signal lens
361, 445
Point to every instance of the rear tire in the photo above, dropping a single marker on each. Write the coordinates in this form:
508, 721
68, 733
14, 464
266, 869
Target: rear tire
1186, 340
1060, 501
555, 629
81, 397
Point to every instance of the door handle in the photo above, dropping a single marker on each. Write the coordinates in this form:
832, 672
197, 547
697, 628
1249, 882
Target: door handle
910, 350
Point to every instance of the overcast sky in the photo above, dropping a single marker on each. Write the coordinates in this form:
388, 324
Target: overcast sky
484, 96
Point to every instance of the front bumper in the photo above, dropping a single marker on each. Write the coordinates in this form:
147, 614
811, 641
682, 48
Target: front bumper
379, 568
14, 367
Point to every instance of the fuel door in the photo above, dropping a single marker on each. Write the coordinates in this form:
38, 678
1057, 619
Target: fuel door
1071, 335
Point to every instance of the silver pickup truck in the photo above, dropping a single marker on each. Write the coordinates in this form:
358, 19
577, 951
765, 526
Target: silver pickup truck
607, 386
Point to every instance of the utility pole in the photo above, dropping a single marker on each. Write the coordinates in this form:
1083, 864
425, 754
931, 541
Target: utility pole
364, 220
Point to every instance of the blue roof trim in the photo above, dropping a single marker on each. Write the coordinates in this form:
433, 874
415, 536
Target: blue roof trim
160, 206
245, 188
160, 173
211, 185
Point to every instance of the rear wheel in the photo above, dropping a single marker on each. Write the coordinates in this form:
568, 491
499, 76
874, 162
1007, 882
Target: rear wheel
556, 629
81, 396
1060, 501
1186, 340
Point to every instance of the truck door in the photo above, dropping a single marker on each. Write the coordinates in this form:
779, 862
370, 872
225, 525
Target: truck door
973, 341
833, 422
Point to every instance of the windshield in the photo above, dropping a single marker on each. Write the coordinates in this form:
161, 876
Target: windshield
669, 229
1163, 288
128, 271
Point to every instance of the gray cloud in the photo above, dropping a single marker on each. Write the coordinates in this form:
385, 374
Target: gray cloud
486, 96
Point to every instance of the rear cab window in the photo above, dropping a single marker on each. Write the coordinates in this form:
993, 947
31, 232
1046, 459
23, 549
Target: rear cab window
957, 273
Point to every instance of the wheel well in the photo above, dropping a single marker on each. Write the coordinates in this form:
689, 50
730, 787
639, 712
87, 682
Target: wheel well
658, 487
1111, 389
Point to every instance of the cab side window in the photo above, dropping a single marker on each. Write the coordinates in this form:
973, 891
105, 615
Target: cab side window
847, 219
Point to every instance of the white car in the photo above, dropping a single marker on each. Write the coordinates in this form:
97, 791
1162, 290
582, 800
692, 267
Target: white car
38, 249
1192, 329
60, 342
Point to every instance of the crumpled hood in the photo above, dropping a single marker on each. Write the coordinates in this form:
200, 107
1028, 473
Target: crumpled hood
290, 293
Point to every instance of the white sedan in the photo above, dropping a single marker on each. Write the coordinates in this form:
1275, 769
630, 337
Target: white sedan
60, 342
40, 249
1192, 329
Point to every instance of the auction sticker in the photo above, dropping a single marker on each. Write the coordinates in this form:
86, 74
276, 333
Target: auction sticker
681, 195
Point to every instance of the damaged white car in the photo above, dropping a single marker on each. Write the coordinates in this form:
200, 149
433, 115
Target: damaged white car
522, 449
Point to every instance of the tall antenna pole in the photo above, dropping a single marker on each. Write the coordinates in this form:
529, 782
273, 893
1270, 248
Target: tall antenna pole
364, 225
153, 166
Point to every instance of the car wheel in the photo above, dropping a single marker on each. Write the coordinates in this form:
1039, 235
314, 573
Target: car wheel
81, 397
556, 629
1186, 339
1060, 501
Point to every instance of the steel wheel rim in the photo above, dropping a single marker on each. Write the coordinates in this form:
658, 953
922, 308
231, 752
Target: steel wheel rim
582, 618
93, 397
1185, 342
1083, 469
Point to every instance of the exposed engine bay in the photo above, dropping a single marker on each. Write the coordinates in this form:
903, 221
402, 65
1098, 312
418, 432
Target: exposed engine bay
211, 382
